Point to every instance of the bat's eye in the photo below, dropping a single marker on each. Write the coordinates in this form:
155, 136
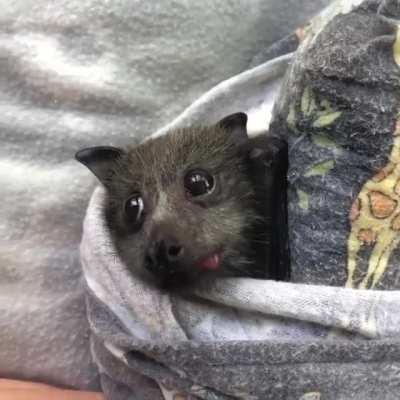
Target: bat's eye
198, 183
134, 208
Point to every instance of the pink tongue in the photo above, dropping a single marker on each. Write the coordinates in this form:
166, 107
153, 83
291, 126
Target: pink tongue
211, 262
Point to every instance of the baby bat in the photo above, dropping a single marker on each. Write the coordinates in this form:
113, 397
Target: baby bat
198, 201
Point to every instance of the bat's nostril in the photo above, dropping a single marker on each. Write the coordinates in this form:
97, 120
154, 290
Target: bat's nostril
148, 260
175, 251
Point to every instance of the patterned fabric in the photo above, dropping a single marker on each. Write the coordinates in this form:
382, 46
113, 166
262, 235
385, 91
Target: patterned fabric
340, 113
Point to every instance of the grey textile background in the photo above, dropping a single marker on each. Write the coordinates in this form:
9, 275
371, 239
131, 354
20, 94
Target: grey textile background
81, 73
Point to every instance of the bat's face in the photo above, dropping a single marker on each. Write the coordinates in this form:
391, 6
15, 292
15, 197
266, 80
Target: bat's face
179, 205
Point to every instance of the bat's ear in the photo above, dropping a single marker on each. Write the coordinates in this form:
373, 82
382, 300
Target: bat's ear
236, 125
100, 160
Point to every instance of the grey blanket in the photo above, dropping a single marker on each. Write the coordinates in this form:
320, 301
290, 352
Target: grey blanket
236, 338
81, 73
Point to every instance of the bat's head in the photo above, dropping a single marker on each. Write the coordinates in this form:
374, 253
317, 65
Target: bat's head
180, 205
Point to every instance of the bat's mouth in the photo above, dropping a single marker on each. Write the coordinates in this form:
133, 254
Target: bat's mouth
210, 263
180, 273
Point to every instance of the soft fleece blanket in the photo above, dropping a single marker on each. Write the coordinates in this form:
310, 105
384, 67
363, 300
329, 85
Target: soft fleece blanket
236, 338
82, 73
229, 338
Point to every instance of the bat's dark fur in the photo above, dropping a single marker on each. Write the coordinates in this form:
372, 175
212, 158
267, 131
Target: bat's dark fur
233, 220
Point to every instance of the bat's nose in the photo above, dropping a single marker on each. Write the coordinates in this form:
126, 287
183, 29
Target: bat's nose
163, 255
